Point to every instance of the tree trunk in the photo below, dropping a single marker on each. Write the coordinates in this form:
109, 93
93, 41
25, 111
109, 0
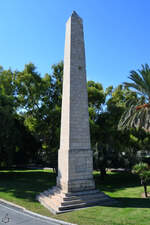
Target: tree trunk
145, 190
103, 173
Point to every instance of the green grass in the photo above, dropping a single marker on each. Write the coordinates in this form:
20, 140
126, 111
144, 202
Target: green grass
21, 187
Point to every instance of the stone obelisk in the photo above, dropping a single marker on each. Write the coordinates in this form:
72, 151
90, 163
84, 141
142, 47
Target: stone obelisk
75, 156
75, 185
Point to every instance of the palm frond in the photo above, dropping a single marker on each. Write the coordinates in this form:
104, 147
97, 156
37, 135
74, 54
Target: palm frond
145, 74
141, 81
140, 91
134, 118
137, 113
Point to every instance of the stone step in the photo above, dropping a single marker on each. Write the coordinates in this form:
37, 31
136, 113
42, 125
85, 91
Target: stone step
83, 204
60, 202
83, 197
87, 200
52, 207
56, 190
72, 195
82, 193
74, 200
46, 201
90, 196
72, 205
51, 199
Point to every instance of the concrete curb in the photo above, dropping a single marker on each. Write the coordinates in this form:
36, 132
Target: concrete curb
36, 215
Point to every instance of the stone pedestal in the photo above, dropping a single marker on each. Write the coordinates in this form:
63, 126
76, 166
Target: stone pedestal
76, 175
59, 202
75, 184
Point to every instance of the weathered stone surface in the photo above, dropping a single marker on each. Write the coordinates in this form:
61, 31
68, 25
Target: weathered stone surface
75, 161
80, 168
75, 183
58, 202
74, 120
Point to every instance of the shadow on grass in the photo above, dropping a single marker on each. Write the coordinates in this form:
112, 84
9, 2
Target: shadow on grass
127, 203
25, 184
133, 202
117, 181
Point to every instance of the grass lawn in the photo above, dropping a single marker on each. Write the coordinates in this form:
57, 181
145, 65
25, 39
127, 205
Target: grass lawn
21, 187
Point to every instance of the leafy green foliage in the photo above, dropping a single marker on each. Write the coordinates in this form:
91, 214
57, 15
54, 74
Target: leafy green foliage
137, 112
143, 171
30, 111
113, 147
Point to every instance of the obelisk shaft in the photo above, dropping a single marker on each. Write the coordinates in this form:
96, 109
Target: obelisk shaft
75, 120
75, 156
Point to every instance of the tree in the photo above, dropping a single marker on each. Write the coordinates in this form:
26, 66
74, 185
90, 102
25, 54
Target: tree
143, 171
7, 134
17, 144
40, 106
96, 99
137, 112
113, 147
49, 126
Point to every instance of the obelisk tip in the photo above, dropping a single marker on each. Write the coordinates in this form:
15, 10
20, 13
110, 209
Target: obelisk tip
75, 15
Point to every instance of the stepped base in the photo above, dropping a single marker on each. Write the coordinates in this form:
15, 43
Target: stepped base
58, 202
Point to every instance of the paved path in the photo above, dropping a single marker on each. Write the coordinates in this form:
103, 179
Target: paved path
11, 215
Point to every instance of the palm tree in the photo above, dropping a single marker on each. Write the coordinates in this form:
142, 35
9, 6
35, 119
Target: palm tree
137, 113
143, 171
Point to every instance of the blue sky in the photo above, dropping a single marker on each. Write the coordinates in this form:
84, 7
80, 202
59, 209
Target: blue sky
117, 35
